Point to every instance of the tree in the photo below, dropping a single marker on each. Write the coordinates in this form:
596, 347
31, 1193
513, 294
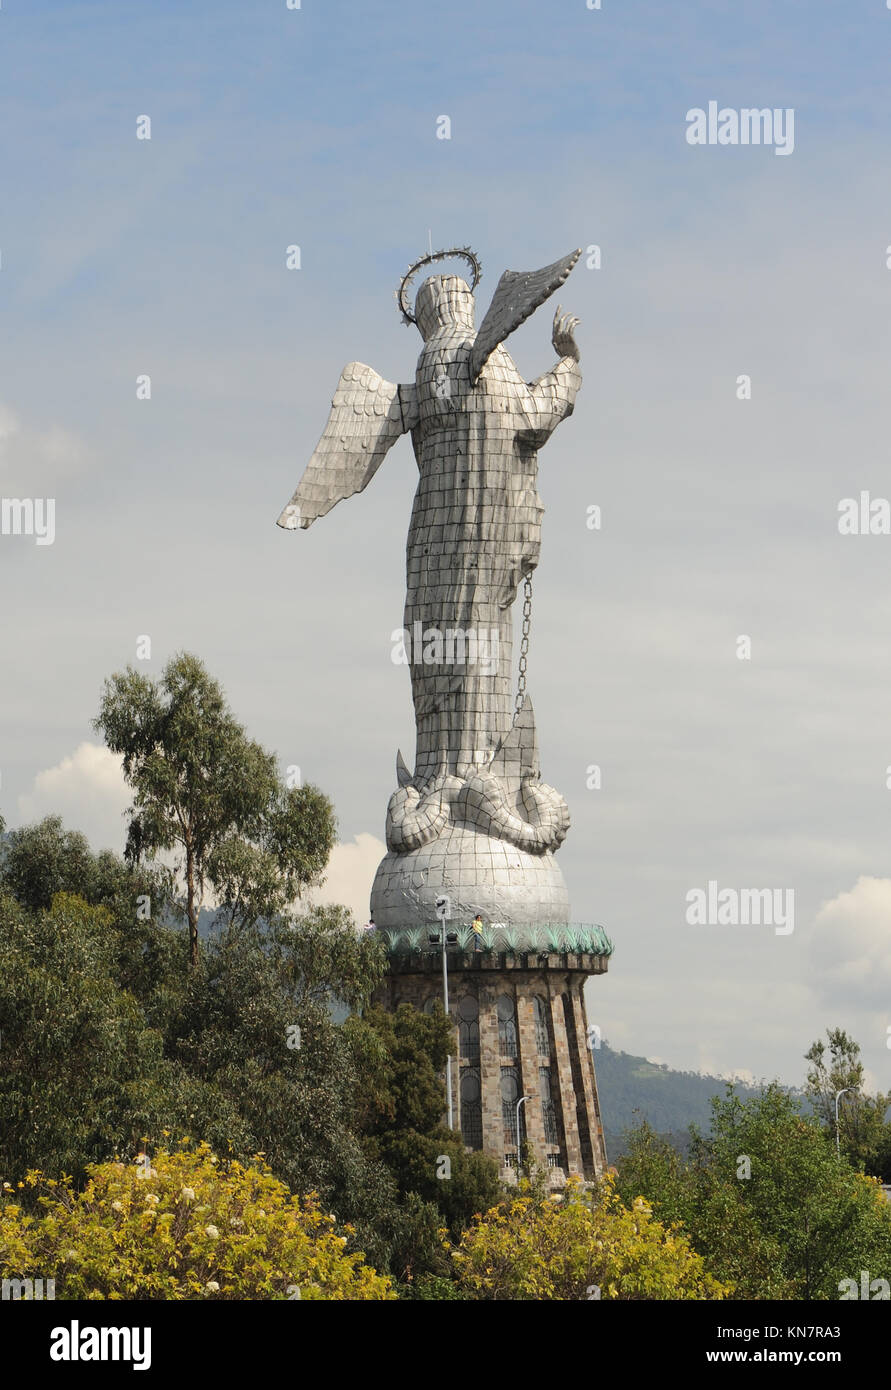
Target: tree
255, 1025
403, 1108
582, 1245
206, 791
107, 1044
182, 1225
38, 861
399, 1108
863, 1134
698, 1196
80, 1059
764, 1199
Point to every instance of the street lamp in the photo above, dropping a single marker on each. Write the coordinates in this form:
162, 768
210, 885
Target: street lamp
443, 912
837, 1095
521, 1101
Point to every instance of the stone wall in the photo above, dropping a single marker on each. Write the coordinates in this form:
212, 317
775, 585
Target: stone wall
508, 1054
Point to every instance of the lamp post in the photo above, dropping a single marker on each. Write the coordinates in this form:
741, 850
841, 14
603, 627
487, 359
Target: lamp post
838, 1094
443, 911
521, 1101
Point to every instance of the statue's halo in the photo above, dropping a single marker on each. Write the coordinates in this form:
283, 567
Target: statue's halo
461, 252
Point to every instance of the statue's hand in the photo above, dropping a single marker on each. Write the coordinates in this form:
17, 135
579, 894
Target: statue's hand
562, 335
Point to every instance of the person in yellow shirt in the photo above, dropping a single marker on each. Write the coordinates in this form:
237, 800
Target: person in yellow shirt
477, 929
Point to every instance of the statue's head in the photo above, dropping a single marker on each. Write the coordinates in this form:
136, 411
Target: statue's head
443, 301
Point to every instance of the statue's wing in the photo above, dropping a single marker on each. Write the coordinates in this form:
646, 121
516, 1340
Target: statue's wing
367, 416
517, 295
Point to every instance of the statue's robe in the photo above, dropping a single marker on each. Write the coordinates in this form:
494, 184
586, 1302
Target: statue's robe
475, 533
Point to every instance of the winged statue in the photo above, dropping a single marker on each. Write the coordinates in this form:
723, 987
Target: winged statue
475, 534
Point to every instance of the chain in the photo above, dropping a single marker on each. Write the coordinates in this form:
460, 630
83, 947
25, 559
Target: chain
524, 645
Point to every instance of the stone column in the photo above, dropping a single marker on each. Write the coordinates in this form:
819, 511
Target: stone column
589, 1084
561, 1058
529, 1064
490, 1074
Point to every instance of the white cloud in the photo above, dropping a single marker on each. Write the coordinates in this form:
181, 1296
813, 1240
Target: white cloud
851, 944
34, 462
350, 875
87, 790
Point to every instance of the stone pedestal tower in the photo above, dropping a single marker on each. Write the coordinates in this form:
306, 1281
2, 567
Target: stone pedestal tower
473, 822
521, 1031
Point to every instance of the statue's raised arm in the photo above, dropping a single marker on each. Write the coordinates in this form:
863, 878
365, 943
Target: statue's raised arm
518, 294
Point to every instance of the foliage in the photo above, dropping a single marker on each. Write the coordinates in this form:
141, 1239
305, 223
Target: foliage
402, 1059
202, 788
764, 1199
434, 1288
863, 1134
105, 1041
186, 1227
76, 1048
542, 1248
404, 1104
711, 1210
37, 862
295, 1093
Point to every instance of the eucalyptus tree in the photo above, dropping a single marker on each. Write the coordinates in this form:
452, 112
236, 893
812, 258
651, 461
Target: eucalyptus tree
214, 797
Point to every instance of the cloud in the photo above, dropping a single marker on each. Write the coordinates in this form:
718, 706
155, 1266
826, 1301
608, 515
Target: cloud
87, 790
350, 875
34, 462
851, 944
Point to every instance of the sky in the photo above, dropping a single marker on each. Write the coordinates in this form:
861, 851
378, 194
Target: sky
317, 127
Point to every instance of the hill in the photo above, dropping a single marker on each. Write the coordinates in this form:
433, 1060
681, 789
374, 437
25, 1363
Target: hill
633, 1089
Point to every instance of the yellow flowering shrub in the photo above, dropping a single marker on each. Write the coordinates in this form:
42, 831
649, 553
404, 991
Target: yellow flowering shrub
586, 1245
189, 1226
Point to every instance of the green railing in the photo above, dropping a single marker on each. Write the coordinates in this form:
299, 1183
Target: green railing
545, 939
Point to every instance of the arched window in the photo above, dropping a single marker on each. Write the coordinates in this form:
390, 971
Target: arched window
507, 1026
548, 1109
471, 1108
542, 1038
468, 1028
510, 1094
